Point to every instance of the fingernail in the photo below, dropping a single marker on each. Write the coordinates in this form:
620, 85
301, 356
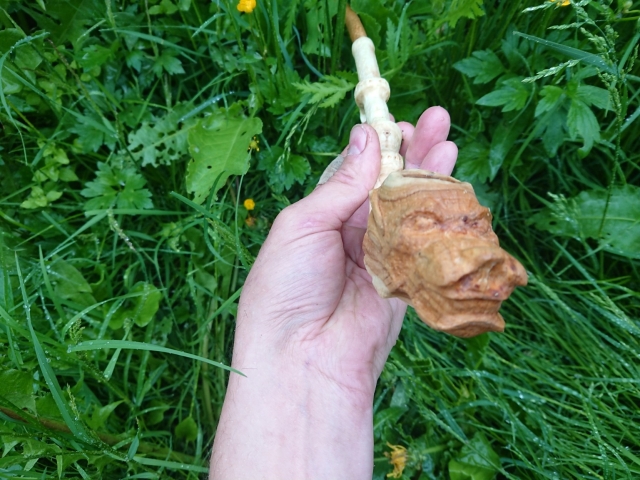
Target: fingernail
357, 140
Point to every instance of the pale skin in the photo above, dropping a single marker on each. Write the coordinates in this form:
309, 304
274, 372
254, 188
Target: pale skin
312, 334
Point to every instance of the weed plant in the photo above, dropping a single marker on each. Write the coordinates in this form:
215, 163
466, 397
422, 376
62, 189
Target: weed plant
147, 146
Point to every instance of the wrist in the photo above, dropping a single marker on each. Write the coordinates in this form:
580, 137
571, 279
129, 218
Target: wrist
293, 423
313, 357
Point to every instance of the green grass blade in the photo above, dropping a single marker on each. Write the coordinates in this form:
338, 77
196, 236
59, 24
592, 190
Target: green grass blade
170, 465
74, 424
585, 57
126, 344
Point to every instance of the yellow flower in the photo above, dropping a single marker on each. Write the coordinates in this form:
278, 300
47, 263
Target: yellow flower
246, 6
254, 144
563, 3
249, 204
397, 458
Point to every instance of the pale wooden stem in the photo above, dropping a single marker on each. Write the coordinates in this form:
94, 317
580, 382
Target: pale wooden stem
371, 95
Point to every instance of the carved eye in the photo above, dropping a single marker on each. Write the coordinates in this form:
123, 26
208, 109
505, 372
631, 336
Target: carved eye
474, 223
421, 222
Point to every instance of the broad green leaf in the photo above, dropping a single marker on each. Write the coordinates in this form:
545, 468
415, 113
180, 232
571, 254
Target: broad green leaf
26, 57
476, 348
116, 186
387, 416
156, 415
596, 96
144, 307
476, 461
582, 217
168, 62
187, 429
163, 139
473, 162
550, 96
512, 95
64, 461
93, 132
555, 127
582, 122
166, 6
37, 199
17, 387
479, 162
96, 56
8, 442
46, 407
69, 283
371, 26
33, 447
219, 147
374, 15
283, 170
315, 43
483, 66
67, 19
376, 9
100, 415
504, 137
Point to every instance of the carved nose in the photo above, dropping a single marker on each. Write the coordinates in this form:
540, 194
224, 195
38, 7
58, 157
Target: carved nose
494, 278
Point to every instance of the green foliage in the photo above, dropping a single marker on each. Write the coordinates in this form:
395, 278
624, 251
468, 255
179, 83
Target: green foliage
220, 148
512, 95
476, 461
17, 388
121, 187
116, 320
283, 170
145, 305
329, 91
459, 9
483, 66
611, 217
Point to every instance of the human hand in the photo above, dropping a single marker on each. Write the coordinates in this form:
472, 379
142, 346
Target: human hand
312, 333
309, 293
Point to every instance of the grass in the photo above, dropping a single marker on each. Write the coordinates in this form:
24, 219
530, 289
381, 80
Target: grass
103, 238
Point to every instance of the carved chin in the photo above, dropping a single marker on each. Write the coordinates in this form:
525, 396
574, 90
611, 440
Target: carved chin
462, 318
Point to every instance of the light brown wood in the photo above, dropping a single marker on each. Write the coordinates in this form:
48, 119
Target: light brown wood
354, 25
430, 243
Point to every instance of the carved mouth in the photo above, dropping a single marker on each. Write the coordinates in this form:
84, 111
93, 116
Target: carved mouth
460, 317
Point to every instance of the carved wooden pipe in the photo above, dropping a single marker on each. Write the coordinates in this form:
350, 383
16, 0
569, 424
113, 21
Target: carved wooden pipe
428, 240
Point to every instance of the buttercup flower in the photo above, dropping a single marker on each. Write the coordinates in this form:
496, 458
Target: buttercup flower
562, 3
397, 458
246, 6
249, 204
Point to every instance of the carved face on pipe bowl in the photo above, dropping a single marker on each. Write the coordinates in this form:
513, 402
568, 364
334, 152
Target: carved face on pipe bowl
430, 243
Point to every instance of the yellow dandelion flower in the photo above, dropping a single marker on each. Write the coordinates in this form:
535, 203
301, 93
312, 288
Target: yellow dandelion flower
562, 3
246, 6
397, 458
249, 204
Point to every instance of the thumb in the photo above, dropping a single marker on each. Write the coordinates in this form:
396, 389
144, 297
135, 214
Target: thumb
337, 200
